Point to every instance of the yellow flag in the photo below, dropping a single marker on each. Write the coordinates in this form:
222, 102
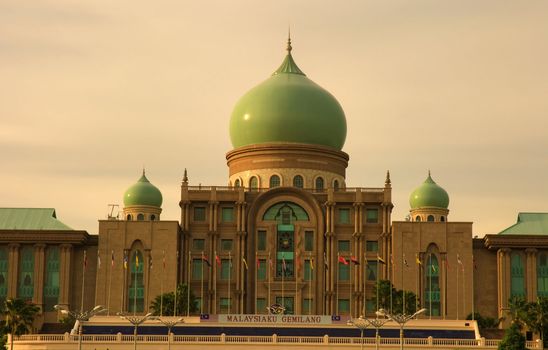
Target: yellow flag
245, 263
137, 260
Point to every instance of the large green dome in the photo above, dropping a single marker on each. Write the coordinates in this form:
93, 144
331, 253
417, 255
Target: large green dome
429, 194
143, 193
288, 107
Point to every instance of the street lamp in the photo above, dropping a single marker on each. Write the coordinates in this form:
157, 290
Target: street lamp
136, 322
361, 324
377, 323
400, 319
170, 323
80, 317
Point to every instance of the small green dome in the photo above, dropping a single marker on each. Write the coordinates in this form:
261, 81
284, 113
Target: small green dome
429, 194
143, 193
288, 107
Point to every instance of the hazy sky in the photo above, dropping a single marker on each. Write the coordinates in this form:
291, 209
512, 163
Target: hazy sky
92, 90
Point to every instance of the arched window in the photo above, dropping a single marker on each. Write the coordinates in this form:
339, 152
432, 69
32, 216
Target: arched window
51, 284
298, 181
430, 218
542, 275
153, 217
3, 274
319, 183
417, 218
517, 280
432, 285
253, 183
237, 183
442, 218
274, 181
140, 217
128, 217
136, 292
336, 185
26, 276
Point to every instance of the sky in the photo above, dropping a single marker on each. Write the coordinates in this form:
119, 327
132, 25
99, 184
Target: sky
92, 91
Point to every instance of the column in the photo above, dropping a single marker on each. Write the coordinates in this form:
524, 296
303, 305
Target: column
64, 274
531, 274
39, 271
13, 269
503, 274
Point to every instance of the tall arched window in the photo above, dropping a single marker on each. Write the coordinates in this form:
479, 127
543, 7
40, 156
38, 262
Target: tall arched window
136, 292
432, 285
319, 183
51, 284
274, 181
26, 276
253, 183
517, 280
542, 275
3, 273
298, 181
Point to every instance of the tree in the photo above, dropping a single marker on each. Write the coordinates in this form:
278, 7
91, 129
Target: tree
18, 316
513, 339
385, 288
536, 318
166, 302
483, 322
518, 310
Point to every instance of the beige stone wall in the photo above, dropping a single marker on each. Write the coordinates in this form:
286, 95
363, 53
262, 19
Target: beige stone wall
451, 238
485, 280
153, 238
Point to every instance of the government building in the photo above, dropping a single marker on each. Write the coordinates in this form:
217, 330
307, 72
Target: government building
284, 229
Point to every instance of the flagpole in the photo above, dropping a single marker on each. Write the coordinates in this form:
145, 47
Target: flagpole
463, 292
124, 277
258, 265
473, 272
269, 276
162, 283
229, 269
378, 263
337, 291
283, 273
297, 261
202, 286
430, 287
419, 276
83, 282
457, 288
350, 289
175, 293
311, 265
189, 276
391, 279
110, 283
404, 261
214, 306
364, 284
135, 289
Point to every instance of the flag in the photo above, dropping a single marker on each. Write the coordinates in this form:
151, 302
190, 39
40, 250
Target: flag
326, 265
150, 262
284, 266
245, 263
434, 269
204, 258
460, 262
342, 260
217, 260
136, 260
85, 260
258, 263
381, 260
112, 258
98, 259
405, 261
311, 263
125, 261
354, 260
417, 260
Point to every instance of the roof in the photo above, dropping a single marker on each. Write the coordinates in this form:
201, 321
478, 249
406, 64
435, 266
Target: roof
30, 219
528, 224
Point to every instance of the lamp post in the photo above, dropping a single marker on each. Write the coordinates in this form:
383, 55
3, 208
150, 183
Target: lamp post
361, 324
400, 319
170, 323
136, 322
80, 316
377, 323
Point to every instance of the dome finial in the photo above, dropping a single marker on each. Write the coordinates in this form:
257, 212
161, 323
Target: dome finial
185, 177
289, 48
429, 175
143, 170
387, 182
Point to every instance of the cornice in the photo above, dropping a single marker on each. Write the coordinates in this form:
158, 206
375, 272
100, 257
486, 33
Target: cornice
48, 236
515, 241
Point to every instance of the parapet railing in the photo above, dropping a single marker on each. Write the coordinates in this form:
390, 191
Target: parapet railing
264, 189
481, 343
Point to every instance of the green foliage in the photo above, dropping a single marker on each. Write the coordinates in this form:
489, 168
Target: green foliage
518, 310
484, 322
166, 302
3, 340
68, 321
18, 316
513, 339
385, 288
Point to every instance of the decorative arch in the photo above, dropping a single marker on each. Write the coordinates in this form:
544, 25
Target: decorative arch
136, 278
432, 290
517, 275
286, 212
